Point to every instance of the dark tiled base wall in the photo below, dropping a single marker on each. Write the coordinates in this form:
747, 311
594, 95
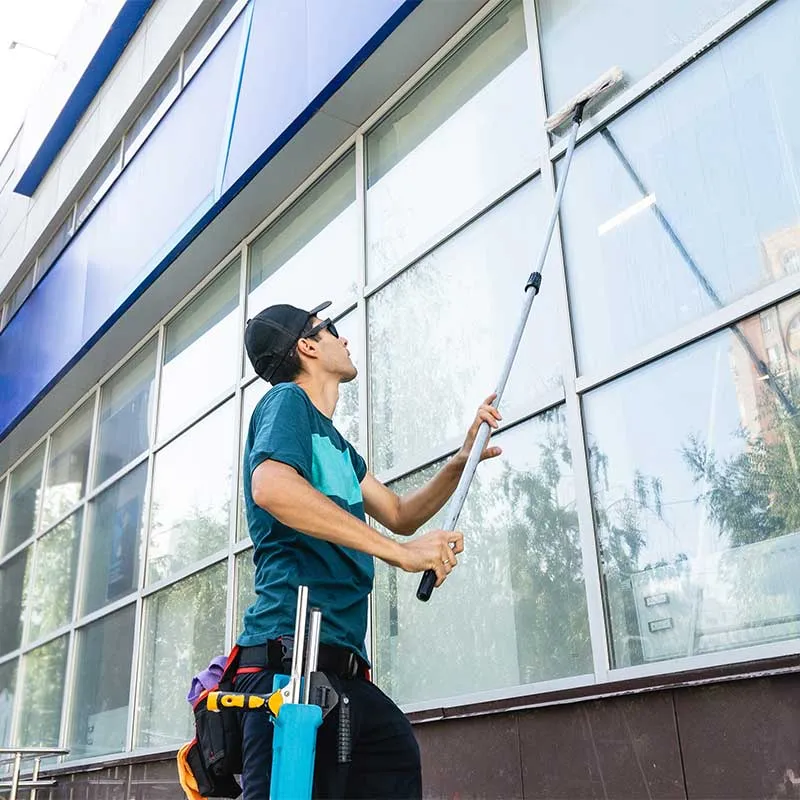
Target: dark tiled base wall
731, 741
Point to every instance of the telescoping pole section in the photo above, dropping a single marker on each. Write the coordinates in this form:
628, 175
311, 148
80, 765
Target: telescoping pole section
572, 112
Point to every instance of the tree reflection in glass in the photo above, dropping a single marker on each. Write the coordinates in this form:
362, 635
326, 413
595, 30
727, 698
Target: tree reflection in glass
184, 630
56, 562
68, 465
439, 334
694, 469
514, 610
8, 687
191, 495
42, 694
25, 495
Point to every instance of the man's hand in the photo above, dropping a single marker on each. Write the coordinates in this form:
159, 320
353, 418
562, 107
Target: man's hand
434, 550
486, 413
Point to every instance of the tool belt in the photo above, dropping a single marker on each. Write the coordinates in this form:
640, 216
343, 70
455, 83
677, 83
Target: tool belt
276, 654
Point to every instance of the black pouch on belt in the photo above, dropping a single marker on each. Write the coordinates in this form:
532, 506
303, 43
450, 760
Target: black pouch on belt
218, 753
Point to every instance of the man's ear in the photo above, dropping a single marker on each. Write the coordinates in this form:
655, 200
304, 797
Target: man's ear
307, 347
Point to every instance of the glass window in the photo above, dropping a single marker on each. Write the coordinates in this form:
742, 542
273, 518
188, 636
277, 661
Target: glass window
55, 564
102, 685
516, 617
20, 293
440, 332
637, 34
184, 630
250, 397
310, 254
114, 541
24, 498
69, 464
191, 495
52, 250
201, 352
126, 409
690, 200
694, 473
14, 577
460, 139
99, 186
245, 586
150, 115
42, 694
8, 688
196, 51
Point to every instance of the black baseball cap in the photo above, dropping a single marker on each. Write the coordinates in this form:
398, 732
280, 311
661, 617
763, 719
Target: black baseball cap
272, 333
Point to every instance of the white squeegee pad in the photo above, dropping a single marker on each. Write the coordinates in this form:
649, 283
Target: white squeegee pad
589, 95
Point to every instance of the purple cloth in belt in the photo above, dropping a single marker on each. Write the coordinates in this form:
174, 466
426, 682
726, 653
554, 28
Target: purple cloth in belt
207, 679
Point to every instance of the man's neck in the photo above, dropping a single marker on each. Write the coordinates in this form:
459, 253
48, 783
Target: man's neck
323, 393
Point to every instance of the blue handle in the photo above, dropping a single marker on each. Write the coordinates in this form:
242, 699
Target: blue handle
293, 748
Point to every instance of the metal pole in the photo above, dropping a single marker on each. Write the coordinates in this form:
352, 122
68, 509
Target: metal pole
35, 777
314, 626
15, 776
299, 643
484, 431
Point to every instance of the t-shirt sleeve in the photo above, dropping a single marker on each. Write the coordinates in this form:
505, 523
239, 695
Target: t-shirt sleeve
282, 432
359, 465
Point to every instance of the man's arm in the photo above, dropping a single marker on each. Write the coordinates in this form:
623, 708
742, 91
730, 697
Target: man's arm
292, 500
404, 515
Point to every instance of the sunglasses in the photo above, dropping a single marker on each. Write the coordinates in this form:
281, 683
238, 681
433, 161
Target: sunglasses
321, 327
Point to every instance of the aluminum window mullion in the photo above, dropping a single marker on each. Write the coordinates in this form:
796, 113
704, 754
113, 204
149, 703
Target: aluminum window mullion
435, 61
119, 475
207, 411
71, 670
590, 561
94, 442
61, 519
67, 696
233, 516
5, 497
693, 51
331, 161
544, 402
47, 638
133, 687
12, 554
106, 610
187, 572
450, 231
364, 417
144, 546
241, 545
708, 325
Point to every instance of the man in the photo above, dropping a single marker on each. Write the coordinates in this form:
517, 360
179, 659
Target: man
306, 492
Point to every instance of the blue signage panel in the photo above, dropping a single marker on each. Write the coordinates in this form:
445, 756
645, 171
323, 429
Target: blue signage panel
273, 70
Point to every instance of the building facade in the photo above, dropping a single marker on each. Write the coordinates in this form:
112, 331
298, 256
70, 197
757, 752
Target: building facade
625, 620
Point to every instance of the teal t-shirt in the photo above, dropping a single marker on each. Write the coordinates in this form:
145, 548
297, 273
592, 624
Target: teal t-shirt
287, 427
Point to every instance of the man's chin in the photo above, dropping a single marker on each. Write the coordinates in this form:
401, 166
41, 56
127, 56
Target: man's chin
350, 376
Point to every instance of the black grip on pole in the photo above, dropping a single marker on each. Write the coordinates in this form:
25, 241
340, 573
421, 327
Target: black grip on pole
426, 585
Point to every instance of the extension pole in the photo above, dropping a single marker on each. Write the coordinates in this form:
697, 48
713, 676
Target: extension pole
573, 111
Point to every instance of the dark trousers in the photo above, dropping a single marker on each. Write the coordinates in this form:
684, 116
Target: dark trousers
385, 759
